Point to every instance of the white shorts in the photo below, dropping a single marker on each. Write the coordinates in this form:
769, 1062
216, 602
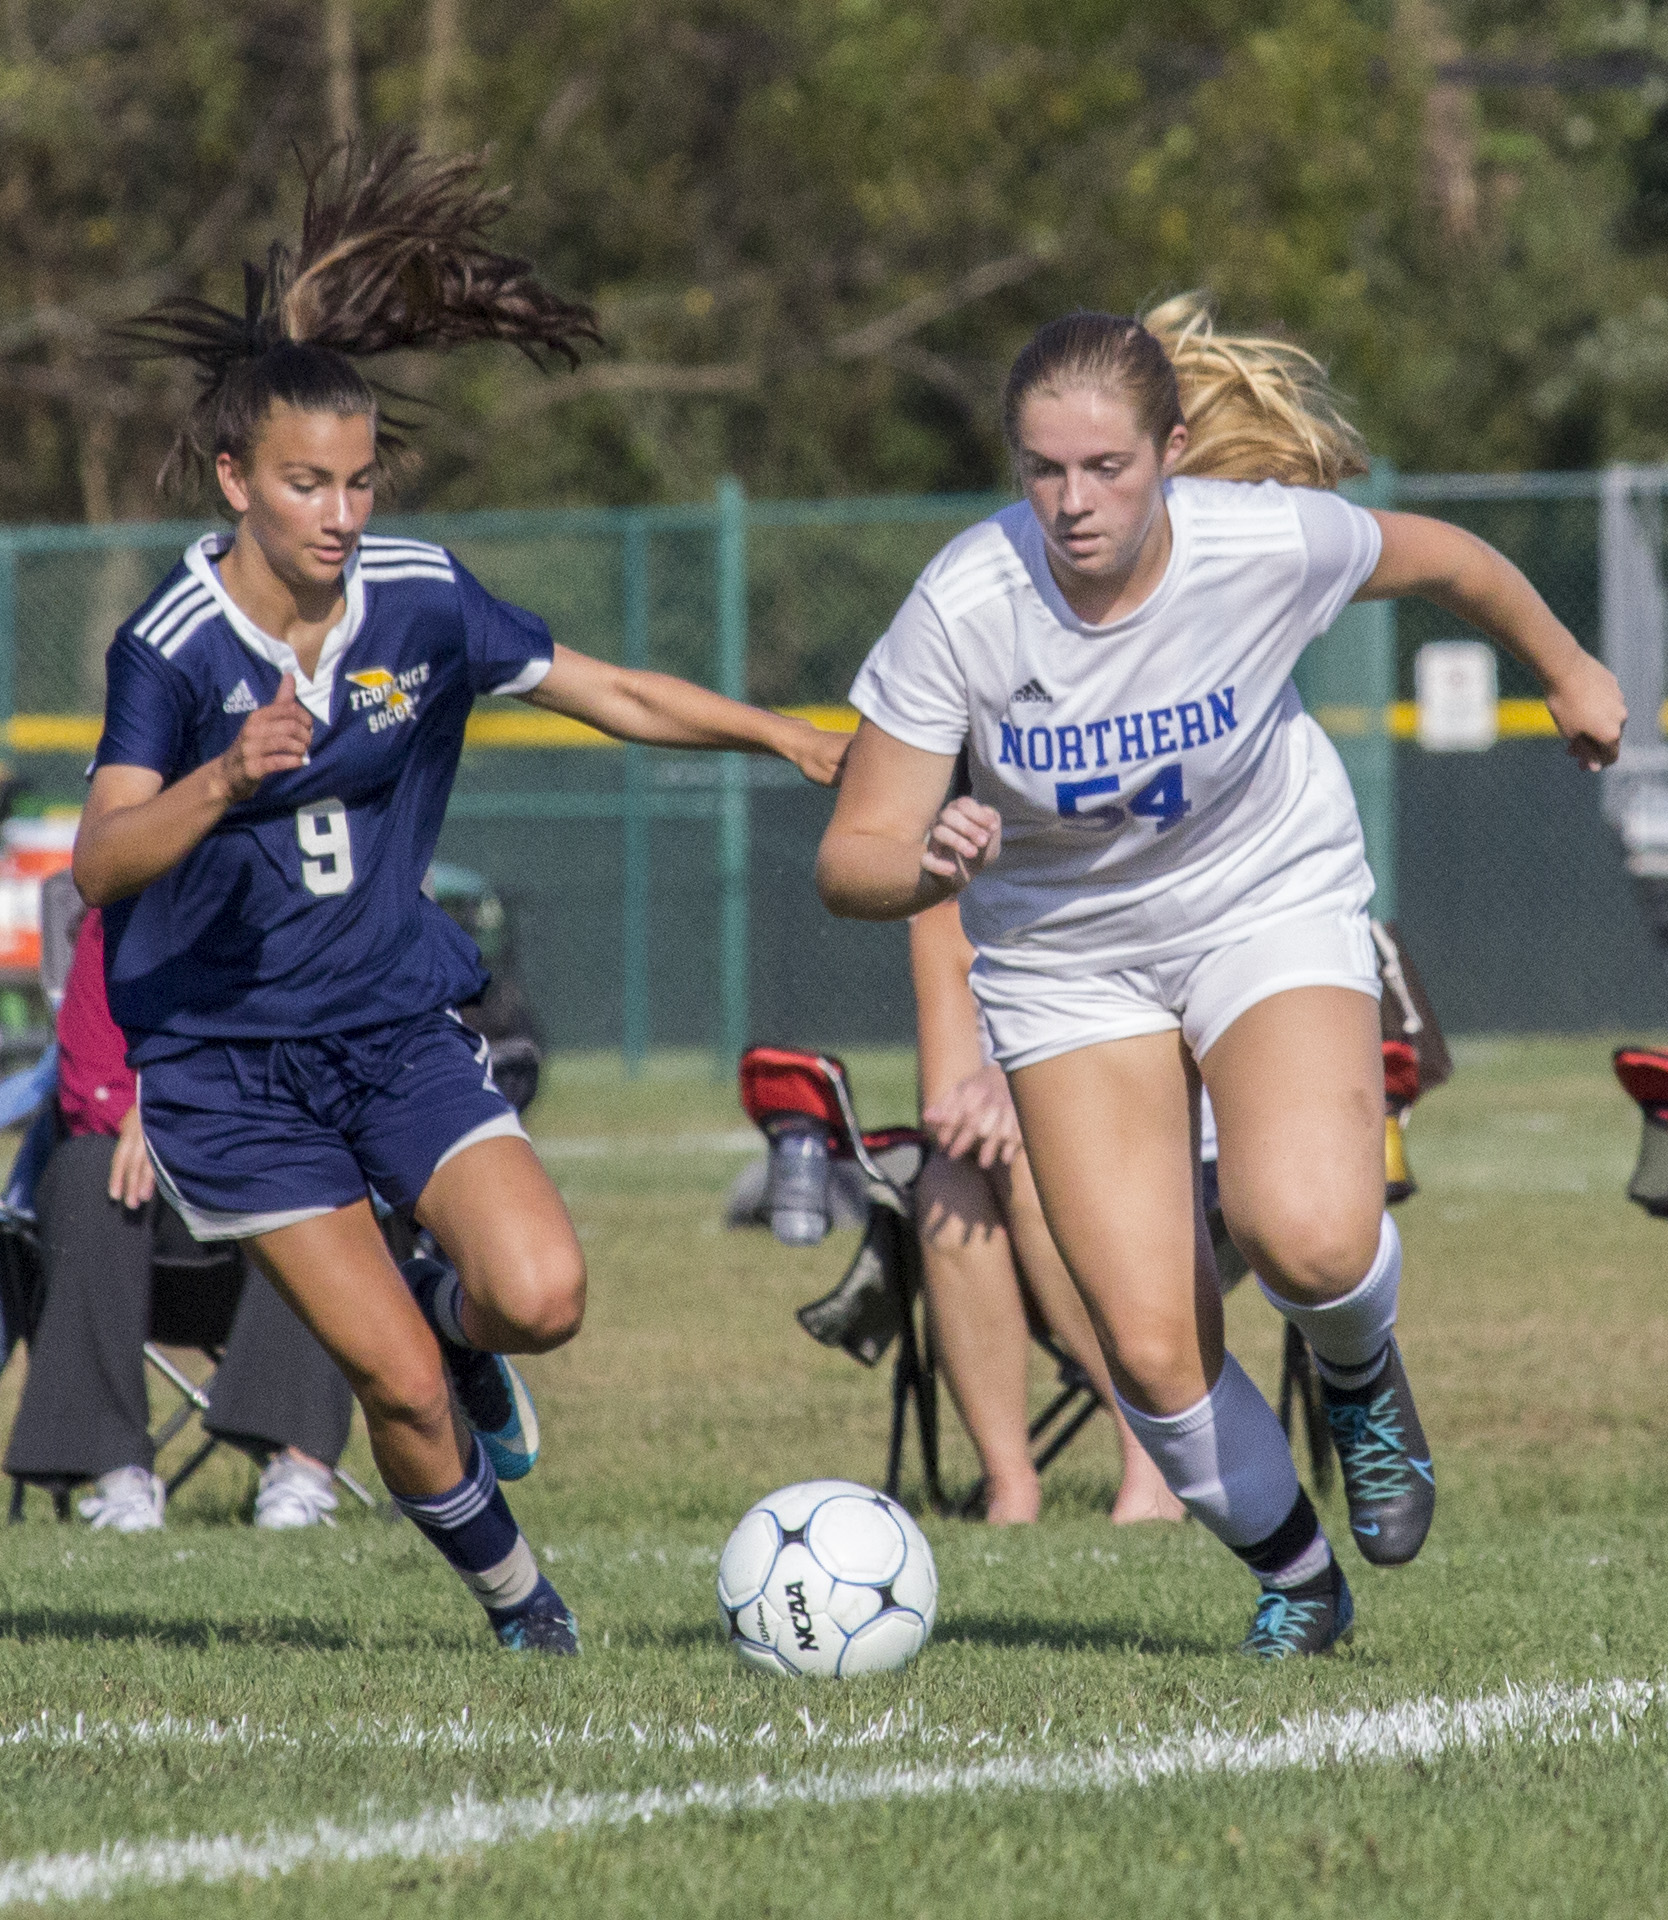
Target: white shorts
1034, 1016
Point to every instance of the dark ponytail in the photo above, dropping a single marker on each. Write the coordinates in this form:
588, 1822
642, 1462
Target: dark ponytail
391, 255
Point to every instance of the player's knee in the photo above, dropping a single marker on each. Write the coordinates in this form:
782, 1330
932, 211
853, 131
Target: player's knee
1313, 1251
1152, 1363
542, 1293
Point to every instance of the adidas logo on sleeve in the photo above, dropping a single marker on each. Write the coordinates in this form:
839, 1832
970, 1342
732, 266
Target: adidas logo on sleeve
239, 700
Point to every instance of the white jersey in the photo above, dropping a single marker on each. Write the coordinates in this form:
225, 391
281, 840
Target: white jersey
1160, 786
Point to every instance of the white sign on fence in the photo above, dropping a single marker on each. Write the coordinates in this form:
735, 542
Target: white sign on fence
1458, 687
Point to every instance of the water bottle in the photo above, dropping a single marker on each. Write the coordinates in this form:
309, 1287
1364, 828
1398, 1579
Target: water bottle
796, 1187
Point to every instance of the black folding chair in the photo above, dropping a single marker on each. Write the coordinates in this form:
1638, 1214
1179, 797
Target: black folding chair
803, 1105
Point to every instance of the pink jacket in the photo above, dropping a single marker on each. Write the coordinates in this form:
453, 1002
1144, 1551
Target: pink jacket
95, 1088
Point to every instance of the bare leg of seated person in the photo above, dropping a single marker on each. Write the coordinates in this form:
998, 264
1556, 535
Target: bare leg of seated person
972, 1223
979, 1333
1142, 1494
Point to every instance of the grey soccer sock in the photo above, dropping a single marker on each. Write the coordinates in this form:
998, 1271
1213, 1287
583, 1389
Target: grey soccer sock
1224, 1458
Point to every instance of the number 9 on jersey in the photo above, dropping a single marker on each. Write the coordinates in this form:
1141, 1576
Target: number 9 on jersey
326, 852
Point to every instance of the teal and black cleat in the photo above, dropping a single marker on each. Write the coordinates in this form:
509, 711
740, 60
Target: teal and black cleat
542, 1624
1309, 1619
493, 1396
1388, 1479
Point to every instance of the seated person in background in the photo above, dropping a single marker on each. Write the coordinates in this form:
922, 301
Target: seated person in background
990, 1264
276, 1395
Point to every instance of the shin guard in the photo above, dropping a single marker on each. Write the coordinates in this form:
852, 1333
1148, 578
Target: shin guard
1224, 1458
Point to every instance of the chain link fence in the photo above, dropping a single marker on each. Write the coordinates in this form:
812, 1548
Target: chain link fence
665, 899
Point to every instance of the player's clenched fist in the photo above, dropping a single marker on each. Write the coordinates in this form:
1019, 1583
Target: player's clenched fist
966, 836
1586, 702
820, 755
274, 739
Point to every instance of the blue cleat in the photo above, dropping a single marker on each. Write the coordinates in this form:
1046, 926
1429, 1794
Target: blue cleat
1388, 1479
543, 1623
1302, 1621
493, 1396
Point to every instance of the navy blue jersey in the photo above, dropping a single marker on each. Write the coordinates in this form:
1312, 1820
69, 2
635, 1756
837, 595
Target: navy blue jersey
301, 913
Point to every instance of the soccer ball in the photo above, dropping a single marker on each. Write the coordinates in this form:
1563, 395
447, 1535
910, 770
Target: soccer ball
827, 1578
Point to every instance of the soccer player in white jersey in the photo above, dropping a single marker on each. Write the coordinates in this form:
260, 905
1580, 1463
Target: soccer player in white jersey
283, 720
1161, 868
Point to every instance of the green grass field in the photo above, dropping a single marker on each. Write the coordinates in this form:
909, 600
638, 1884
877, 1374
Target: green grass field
1078, 1736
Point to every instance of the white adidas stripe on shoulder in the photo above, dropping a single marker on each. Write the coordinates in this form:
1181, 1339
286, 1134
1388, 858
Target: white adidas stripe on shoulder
177, 636
1264, 540
991, 576
378, 546
977, 565
189, 612
1232, 511
380, 576
169, 607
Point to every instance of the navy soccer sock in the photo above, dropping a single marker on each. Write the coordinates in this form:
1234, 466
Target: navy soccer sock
473, 1527
445, 1304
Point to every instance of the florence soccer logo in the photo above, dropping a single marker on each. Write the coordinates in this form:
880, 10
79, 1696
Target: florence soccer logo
387, 699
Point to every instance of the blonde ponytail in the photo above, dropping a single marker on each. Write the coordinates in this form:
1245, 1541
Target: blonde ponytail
1256, 409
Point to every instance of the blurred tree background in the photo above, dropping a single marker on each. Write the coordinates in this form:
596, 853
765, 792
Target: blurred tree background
816, 230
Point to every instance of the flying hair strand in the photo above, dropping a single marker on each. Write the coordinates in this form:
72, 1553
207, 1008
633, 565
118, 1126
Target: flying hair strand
393, 253
1257, 408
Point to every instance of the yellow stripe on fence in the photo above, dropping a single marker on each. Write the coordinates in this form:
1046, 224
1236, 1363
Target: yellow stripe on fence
1517, 720
53, 732
79, 732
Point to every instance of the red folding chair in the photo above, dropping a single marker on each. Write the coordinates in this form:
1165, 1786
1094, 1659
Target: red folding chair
802, 1104
1643, 1072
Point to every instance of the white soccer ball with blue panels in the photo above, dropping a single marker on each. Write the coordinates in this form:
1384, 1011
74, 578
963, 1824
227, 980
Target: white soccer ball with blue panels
827, 1577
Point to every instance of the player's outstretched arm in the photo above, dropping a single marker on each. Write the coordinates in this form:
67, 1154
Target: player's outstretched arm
1466, 576
662, 711
133, 829
893, 847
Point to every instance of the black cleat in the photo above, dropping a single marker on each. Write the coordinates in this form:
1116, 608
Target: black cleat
1388, 1479
1301, 1621
544, 1625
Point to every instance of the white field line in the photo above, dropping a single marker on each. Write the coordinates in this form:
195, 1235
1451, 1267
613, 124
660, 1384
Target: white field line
1425, 1729
898, 1728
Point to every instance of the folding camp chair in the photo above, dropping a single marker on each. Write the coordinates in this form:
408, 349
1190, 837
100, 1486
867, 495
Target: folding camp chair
803, 1105
1643, 1072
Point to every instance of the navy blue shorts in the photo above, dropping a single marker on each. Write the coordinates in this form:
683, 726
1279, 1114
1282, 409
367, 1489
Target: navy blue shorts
251, 1135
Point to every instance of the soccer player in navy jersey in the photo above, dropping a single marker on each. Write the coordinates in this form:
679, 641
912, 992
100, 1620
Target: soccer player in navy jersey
283, 722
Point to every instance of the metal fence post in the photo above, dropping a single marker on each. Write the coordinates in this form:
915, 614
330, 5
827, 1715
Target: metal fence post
634, 905
733, 821
8, 630
1348, 681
